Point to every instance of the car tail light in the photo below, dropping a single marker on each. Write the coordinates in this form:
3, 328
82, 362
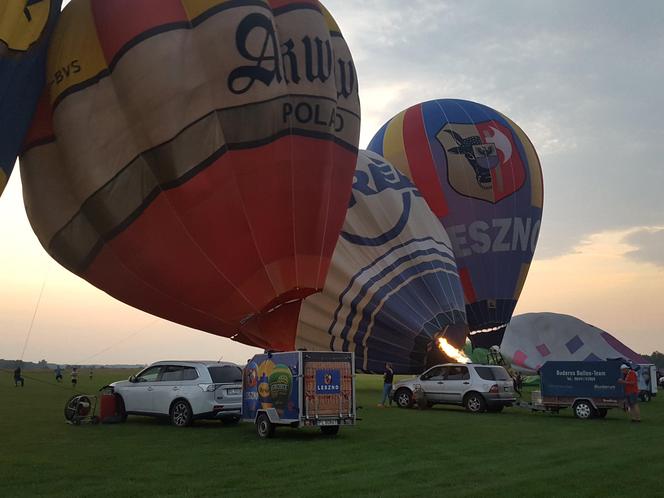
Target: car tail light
208, 387
494, 388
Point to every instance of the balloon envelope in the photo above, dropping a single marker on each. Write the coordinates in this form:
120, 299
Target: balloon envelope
25, 28
535, 338
481, 177
195, 159
393, 286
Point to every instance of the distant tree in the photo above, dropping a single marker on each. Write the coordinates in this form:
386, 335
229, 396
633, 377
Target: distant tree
657, 358
43, 364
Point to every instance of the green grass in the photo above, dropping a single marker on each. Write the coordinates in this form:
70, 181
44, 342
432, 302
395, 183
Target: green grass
391, 452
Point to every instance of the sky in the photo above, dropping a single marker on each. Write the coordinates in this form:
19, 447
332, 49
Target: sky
584, 80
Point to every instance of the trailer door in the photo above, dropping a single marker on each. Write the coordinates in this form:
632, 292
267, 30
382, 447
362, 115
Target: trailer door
328, 385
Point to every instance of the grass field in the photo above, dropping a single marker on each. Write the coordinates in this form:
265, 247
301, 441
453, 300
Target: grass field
392, 452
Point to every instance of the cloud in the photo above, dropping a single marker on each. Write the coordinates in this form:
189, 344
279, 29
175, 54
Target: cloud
583, 79
650, 245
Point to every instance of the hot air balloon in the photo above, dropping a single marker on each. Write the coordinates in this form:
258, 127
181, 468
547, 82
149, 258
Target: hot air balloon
25, 28
533, 339
393, 288
482, 178
195, 159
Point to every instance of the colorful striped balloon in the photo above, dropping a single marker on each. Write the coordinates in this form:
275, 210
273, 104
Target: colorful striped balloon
194, 158
482, 178
25, 28
393, 288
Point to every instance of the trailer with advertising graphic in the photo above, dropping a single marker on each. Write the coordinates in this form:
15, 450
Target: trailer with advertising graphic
591, 388
299, 389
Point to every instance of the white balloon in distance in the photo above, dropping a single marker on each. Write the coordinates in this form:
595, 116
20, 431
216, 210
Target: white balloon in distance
393, 287
532, 339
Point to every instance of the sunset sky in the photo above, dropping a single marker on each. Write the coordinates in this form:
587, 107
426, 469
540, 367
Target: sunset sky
584, 80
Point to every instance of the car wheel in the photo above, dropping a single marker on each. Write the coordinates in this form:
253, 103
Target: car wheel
404, 398
181, 415
330, 430
601, 412
583, 410
645, 396
474, 403
264, 428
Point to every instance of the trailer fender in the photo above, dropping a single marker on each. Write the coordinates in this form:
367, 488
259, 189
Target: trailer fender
271, 414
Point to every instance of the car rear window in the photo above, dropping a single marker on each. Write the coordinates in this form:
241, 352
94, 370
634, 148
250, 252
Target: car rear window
492, 373
225, 374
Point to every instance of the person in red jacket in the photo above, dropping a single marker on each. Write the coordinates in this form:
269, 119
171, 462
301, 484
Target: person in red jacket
631, 383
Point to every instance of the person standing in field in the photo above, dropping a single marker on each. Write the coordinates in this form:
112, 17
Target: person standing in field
631, 385
74, 377
388, 378
90, 375
58, 374
18, 378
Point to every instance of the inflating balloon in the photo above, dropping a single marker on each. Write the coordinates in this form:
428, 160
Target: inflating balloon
195, 158
393, 288
25, 27
481, 177
535, 338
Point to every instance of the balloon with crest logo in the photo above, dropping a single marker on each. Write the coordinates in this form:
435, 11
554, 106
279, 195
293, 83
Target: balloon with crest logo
193, 158
25, 27
393, 289
482, 178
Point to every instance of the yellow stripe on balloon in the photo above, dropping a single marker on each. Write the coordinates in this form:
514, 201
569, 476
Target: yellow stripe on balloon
535, 169
195, 8
394, 149
75, 54
332, 25
21, 25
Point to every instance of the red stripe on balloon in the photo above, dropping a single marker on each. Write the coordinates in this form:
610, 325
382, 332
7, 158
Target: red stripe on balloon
229, 242
120, 21
420, 160
275, 330
467, 283
41, 127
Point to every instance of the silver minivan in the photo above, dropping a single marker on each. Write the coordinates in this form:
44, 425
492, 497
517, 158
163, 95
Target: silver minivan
183, 391
478, 388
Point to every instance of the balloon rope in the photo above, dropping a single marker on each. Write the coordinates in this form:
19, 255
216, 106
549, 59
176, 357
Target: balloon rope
117, 343
34, 313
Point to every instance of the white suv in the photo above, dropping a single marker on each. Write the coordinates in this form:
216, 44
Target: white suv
183, 391
476, 387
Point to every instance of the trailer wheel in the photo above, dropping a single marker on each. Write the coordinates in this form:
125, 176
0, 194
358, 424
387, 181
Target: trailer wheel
264, 428
583, 410
645, 396
601, 412
330, 430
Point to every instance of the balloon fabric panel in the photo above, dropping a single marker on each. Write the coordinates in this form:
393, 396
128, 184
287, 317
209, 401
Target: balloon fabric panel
393, 286
195, 176
25, 28
535, 338
480, 174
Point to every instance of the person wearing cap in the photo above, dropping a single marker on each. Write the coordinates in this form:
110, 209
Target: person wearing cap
631, 384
